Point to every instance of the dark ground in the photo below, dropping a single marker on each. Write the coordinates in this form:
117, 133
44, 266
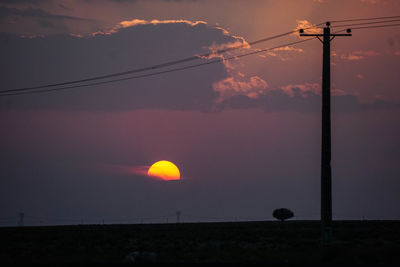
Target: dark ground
240, 242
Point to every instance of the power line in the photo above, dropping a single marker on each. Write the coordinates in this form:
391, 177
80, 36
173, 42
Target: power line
368, 27
18, 92
170, 63
378, 26
150, 74
11, 92
365, 23
157, 66
363, 19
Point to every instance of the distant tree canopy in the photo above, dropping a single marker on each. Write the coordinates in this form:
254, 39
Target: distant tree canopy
282, 214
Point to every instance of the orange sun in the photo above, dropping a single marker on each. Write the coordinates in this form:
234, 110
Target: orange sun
164, 170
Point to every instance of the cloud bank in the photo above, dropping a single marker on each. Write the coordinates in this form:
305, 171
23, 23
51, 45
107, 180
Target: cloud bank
140, 43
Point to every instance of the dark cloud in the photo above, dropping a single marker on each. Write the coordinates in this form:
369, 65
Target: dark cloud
59, 58
20, 1
34, 21
33, 12
35, 61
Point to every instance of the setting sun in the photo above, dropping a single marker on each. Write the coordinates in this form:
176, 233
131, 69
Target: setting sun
164, 170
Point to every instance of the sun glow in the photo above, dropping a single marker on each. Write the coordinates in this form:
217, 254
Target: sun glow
164, 170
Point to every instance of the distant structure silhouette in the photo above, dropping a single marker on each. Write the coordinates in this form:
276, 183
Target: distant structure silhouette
21, 219
326, 171
178, 216
282, 214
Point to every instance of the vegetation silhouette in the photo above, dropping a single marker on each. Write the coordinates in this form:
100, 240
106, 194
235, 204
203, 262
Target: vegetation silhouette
282, 214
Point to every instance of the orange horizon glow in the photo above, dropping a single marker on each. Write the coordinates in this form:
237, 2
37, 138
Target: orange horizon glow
164, 170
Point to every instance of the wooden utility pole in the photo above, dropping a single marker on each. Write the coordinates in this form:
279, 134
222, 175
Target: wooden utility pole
326, 172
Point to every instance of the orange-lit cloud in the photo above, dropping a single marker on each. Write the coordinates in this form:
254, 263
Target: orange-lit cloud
240, 38
314, 88
370, 1
339, 92
307, 26
282, 52
231, 86
289, 48
214, 48
236, 83
358, 55
137, 22
134, 22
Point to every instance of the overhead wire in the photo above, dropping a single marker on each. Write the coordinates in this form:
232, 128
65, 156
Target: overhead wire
365, 23
48, 87
377, 26
364, 19
176, 69
154, 73
157, 66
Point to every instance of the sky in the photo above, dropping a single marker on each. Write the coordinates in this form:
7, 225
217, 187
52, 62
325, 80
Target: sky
245, 133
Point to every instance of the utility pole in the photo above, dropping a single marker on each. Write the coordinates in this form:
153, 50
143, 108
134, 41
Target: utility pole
326, 171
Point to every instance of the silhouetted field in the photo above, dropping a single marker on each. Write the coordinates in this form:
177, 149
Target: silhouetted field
239, 242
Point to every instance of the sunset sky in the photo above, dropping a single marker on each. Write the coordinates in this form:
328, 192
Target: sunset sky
244, 133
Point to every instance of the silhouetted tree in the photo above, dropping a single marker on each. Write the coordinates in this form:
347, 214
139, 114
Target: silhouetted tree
282, 214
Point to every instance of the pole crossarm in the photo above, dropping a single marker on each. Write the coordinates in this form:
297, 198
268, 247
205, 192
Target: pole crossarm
332, 34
